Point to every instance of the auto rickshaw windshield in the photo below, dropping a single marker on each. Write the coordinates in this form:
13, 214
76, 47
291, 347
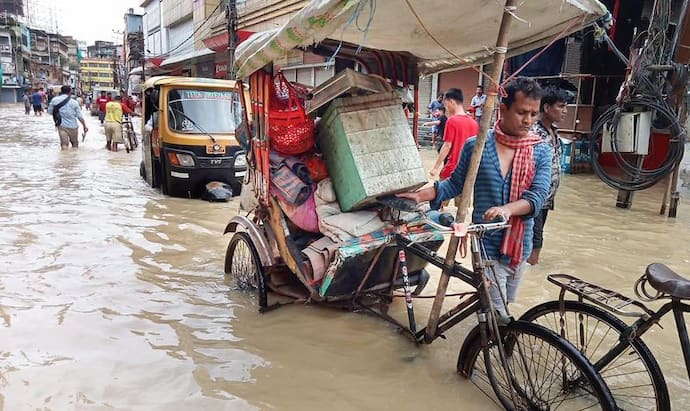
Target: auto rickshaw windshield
203, 111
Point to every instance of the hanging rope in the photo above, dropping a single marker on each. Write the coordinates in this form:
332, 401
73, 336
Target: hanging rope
354, 18
501, 50
648, 89
536, 55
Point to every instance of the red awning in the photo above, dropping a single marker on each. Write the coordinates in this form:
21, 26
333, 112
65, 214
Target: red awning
219, 43
156, 61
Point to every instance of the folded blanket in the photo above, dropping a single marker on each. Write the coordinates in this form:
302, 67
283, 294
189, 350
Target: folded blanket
320, 254
289, 183
337, 225
346, 226
325, 193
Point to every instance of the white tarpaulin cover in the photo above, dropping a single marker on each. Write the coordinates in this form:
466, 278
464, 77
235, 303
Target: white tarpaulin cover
441, 34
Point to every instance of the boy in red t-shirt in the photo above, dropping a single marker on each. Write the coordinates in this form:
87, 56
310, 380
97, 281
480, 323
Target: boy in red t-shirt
459, 127
102, 100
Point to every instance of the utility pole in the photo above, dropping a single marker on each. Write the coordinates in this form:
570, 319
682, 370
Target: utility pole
231, 13
142, 46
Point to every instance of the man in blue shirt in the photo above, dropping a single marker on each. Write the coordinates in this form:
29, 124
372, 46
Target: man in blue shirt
68, 130
37, 102
433, 107
513, 181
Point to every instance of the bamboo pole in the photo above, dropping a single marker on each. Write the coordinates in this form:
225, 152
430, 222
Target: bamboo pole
491, 97
415, 116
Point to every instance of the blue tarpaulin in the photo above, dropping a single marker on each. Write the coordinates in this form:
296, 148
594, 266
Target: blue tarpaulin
549, 63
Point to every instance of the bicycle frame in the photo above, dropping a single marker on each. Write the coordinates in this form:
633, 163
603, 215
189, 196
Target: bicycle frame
639, 327
471, 304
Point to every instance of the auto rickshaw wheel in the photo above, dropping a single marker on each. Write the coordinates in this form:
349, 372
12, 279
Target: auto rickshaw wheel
161, 180
243, 264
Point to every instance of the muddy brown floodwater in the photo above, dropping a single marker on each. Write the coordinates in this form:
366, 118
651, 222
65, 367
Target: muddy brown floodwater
113, 296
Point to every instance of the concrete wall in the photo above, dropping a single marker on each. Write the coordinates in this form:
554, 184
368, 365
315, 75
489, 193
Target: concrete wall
465, 79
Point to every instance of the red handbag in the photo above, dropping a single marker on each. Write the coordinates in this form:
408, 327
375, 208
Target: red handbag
290, 129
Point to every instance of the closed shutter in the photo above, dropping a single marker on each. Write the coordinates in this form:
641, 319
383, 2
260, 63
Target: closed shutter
310, 76
322, 74
305, 76
573, 56
425, 94
179, 39
290, 74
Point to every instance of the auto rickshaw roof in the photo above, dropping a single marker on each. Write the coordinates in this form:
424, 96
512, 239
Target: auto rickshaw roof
189, 82
425, 36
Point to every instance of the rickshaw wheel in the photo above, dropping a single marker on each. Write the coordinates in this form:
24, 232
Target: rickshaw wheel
243, 264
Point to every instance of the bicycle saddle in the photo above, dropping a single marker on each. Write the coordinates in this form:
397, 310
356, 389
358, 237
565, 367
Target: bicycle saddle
668, 281
397, 203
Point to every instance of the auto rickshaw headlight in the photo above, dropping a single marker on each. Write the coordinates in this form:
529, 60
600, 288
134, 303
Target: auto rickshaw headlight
241, 161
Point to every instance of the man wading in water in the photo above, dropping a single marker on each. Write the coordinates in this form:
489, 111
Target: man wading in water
552, 110
513, 181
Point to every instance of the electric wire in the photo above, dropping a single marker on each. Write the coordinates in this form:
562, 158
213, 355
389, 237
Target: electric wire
636, 178
644, 89
203, 24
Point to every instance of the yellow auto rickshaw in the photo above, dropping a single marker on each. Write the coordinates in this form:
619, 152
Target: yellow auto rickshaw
189, 147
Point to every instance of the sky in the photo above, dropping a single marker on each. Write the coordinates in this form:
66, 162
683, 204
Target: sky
91, 20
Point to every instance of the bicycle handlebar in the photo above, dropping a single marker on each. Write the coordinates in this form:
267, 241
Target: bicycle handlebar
445, 222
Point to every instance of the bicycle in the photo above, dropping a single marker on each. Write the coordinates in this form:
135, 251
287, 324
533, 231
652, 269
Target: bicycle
617, 350
528, 366
128, 134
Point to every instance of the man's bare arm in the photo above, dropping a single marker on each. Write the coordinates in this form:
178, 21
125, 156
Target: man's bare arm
445, 150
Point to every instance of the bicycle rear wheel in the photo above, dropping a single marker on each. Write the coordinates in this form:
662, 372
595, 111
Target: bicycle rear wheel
633, 375
542, 371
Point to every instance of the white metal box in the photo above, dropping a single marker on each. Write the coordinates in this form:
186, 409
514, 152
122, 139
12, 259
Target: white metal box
632, 134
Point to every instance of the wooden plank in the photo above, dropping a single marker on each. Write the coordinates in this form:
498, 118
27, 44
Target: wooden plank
278, 224
468, 188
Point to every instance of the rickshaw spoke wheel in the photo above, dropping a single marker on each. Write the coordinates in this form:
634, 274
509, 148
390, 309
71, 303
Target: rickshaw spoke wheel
244, 266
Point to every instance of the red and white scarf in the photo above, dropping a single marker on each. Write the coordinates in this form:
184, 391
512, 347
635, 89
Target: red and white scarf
523, 173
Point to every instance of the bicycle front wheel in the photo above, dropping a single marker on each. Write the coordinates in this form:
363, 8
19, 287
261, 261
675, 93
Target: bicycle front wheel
631, 371
541, 371
133, 139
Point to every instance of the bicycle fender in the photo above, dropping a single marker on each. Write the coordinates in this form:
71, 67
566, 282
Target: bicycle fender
258, 240
468, 353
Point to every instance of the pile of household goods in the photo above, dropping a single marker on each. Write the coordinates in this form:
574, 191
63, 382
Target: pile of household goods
331, 161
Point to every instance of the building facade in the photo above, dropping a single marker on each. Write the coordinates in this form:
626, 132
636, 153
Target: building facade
31, 56
44, 15
173, 34
12, 7
133, 51
102, 50
96, 73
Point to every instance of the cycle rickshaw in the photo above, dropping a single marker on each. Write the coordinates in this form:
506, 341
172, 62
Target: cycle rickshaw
527, 366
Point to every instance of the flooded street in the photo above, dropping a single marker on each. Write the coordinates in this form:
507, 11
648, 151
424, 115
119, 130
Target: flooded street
113, 296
